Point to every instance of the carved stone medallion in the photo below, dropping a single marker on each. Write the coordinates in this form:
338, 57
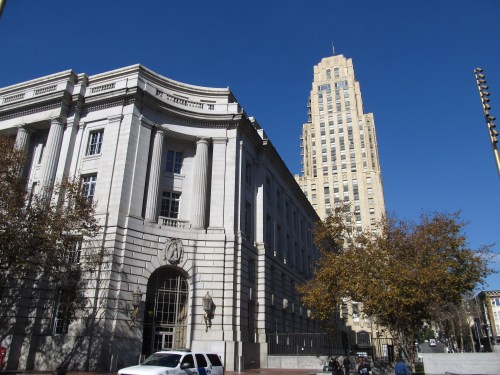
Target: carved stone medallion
174, 251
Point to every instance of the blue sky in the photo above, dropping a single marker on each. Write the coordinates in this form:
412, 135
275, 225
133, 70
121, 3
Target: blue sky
413, 59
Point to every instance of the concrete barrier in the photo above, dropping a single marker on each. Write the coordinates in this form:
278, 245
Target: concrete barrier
461, 363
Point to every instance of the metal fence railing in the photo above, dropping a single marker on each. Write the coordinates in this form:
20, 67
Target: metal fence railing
324, 344
305, 344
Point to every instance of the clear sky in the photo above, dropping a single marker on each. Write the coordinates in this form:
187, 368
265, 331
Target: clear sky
413, 59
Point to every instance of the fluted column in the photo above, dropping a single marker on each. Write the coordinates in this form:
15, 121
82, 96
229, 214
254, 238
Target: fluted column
199, 202
22, 138
154, 176
51, 156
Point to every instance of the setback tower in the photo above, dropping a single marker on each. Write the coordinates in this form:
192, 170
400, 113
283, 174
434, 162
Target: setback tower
340, 162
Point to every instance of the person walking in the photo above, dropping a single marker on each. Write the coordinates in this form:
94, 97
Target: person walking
346, 364
364, 368
401, 368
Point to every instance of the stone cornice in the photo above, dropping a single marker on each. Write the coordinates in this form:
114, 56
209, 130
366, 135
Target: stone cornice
30, 108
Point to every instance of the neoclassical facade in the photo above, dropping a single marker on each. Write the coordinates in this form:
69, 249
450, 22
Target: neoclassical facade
196, 207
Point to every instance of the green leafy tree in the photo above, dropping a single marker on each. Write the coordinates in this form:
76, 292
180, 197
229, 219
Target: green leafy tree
40, 239
401, 274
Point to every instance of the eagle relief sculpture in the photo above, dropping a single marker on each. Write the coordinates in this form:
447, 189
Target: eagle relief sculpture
173, 251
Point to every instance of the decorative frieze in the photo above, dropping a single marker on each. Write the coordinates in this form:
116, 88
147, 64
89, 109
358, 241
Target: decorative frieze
13, 98
101, 88
44, 90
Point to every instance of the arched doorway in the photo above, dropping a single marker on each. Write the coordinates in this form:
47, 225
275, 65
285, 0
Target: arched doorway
165, 320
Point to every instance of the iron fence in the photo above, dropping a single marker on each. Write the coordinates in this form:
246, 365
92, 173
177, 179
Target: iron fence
305, 344
324, 344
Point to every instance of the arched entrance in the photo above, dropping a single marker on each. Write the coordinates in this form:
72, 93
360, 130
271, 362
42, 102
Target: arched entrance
165, 320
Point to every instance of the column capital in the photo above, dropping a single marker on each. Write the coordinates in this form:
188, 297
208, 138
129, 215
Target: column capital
147, 123
160, 130
56, 120
219, 140
24, 127
203, 140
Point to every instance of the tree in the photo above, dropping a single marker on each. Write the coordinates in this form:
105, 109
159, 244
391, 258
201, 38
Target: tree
402, 273
41, 251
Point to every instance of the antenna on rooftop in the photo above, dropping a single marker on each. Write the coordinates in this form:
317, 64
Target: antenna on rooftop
333, 49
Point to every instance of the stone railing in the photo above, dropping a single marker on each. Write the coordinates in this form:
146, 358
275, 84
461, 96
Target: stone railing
174, 223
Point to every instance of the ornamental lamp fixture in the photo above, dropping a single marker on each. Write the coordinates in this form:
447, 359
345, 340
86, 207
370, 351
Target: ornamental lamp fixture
136, 298
136, 303
208, 307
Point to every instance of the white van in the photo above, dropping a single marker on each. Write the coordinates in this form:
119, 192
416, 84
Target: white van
432, 342
177, 362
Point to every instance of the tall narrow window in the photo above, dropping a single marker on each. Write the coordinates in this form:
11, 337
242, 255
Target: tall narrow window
269, 230
61, 320
73, 250
170, 204
174, 161
95, 142
248, 218
248, 173
88, 187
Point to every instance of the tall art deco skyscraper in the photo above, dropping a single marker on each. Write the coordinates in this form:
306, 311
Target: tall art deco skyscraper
339, 148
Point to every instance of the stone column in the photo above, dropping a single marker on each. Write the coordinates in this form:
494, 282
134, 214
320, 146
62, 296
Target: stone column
22, 138
51, 156
154, 175
199, 202
217, 193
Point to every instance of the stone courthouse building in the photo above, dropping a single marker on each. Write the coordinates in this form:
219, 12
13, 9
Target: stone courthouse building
206, 229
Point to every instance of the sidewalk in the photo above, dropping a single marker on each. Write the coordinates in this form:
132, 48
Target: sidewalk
258, 371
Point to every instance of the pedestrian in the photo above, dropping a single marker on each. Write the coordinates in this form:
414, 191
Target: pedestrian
401, 368
346, 364
335, 367
331, 364
364, 368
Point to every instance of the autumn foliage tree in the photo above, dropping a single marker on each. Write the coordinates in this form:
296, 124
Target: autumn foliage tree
403, 274
40, 238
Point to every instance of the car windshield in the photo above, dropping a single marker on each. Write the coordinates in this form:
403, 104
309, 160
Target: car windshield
162, 359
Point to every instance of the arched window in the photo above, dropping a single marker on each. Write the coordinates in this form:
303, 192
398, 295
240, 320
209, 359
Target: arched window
165, 320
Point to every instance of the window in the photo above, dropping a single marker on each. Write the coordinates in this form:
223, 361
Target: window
95, 142
170, 204
200, 359
88, 187
248, 218
61, 319
363, 338
248, 173
269, 230
73, 250
251, 270
174, 161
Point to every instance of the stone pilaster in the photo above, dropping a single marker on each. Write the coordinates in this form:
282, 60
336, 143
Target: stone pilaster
154, 176
217, 193
199, 202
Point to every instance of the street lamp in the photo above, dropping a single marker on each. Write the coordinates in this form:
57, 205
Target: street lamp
485, 100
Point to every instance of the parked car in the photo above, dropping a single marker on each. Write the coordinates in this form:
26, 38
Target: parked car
432, 342
177, 362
